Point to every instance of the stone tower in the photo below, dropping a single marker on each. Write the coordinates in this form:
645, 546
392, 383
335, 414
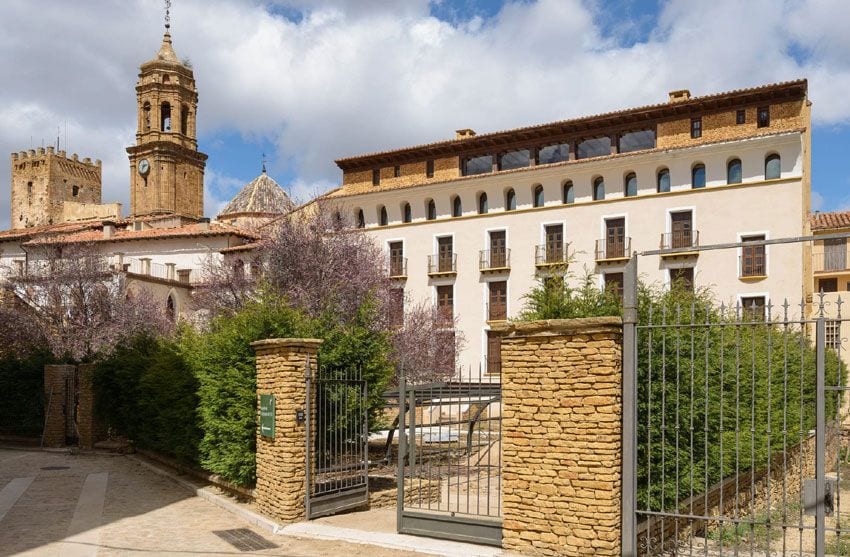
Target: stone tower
166, 168
45, 184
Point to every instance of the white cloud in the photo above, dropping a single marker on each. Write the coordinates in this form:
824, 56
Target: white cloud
358, 76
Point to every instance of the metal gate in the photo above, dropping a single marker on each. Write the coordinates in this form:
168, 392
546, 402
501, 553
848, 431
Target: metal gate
337, 428
449, 460
734, 425
69, 406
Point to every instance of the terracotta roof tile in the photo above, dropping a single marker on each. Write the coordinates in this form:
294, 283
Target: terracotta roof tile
262, 195
123, 235
828, 221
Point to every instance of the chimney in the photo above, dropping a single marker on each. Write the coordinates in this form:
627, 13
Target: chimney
204, 223
108, 229
465, 133
679, 96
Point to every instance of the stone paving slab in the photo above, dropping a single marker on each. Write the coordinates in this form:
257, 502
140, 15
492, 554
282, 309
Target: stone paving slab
143, 514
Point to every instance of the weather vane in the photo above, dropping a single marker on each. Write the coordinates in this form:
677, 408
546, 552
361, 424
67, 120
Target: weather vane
264, 163
167, 15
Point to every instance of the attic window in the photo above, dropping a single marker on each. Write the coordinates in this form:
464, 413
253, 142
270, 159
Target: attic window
376, 177
75, 191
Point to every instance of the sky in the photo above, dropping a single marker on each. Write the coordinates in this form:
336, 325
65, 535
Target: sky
310, 81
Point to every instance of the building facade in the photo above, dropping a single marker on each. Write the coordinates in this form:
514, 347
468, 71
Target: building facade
475, 223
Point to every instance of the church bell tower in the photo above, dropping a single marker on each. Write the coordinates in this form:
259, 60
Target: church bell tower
166, 168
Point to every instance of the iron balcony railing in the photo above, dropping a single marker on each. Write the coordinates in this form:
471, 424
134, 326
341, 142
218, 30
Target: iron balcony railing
442, 263
397, 267
551, 254
607, 249
489, 259
831, 260
752, 265
497, 312
680, 239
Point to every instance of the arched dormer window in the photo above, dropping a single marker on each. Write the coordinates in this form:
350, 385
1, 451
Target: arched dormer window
361, 220
406, 214
663, 181
510, 200
733, 172
630, 186
539, 199
698, 176
569, 194
382, 216
483, 206
457, 207
431, 210
598, 189
184, 119
146, 116
772, 167
165, 117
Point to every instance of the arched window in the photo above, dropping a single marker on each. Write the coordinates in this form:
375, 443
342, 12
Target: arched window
75, 191
170, 308
510, 200
569, 194
406, 215
457, 208
382, 216
483, 207
361, 220
598, 189
165, 117
184, 119
431, 210
772, 165
698, 176
539, 199
733, 171
146, 116
663, 180
630, 188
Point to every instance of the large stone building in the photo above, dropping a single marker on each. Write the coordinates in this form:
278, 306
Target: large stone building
472, 223
165, 242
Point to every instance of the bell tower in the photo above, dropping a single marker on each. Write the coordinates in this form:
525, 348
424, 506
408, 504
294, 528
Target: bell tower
166, 168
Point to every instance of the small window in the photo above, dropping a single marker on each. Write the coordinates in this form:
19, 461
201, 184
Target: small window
406, 214
828, 285
382, 216
663, 181
510, 200
170, 308
696, 128
614, 284
772, 167
596, 147
598, 189
445, 303
752, 308
682, 278
753, 260
376, 177
429, 169
763, 116
568, 195
457, 208
698, 176
539, 198
483, 207
480, 164
553, 153
146, 116
733, 172
361, 220
515, 159
396, 171
637, 141
75, 191
630, 188
431, 211
497, 301
165, 117
184, 119
741, 117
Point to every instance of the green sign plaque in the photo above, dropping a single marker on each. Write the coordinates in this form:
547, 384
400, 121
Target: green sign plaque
267, 415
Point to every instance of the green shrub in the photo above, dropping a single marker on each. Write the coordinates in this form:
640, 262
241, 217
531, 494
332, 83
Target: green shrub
22, 396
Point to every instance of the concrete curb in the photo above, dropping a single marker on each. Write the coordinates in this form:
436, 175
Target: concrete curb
246, 515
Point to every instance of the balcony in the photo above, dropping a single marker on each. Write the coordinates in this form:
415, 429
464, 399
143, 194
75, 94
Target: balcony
551, 255
397, 268
494, 260
684, 242
752, 268
442, 265
613, 252
497, 312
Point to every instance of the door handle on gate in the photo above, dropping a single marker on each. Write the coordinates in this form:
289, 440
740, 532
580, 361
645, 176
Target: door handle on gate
828, 497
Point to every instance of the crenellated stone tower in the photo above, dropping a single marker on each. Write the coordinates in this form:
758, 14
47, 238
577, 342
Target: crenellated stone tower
166, 168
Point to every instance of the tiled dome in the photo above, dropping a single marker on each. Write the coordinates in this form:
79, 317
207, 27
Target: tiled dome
262, 196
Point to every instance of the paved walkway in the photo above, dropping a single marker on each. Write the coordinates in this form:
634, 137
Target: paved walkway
56, 504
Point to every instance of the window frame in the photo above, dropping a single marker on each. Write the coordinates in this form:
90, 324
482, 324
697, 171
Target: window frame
763, 117
740, 116
696, 127
383, 216
483, 203
510, 196
568, 191
752, 235
597, 181
729, 164
694, 168
753, 295
538, 191
633, 176
770, 158
658, 174
376, 176
430, 209
457, 207
429, 168
406, 213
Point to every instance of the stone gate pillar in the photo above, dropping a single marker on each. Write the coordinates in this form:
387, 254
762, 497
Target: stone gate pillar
88, 426
562, 442
281, 459
56, 404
